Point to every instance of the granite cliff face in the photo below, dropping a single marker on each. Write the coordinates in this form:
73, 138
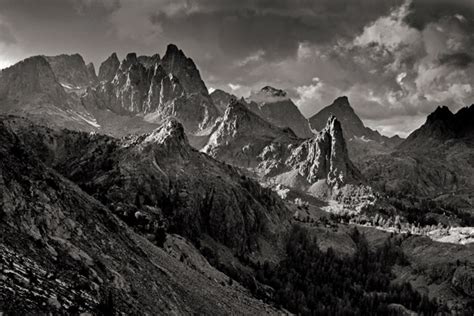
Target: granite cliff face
361, 140
72, 72
31, 88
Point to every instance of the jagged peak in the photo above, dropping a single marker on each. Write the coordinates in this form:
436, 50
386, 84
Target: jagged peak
108, 68
273, 91
91, 68
149, 61
235, 108
170, 134
342, 101
268, 94
131, 58
441, 113
172, 50
113, 56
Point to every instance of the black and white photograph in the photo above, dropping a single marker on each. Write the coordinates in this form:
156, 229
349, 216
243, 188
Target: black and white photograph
224, 157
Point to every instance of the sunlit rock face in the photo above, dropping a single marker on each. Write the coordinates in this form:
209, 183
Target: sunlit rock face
155, 89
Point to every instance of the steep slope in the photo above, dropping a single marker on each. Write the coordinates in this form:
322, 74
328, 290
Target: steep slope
318, 165
64, 252
274, 106
361, 140
71, 71
30, 88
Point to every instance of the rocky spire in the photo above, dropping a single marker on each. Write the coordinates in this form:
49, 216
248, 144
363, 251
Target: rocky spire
176, 62
108, 68
325, 157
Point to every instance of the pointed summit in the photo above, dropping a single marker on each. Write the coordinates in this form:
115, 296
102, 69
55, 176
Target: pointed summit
361, 140
441, 113
342, 109
325, 157
108, 68
170, 136
273, 105
441, 125
175, 61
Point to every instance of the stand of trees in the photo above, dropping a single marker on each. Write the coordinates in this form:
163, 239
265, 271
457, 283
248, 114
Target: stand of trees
314, 282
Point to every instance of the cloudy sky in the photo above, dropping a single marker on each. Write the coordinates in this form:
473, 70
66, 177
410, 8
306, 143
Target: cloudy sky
396, 60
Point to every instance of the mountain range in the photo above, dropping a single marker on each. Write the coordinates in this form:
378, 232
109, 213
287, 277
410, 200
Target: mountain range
137, 191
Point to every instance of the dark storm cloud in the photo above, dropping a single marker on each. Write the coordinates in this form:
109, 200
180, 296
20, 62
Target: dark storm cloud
277, 27
424, 12
395, 59
460, 60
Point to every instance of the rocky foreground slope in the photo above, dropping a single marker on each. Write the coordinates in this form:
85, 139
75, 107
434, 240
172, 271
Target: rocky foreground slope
84, 215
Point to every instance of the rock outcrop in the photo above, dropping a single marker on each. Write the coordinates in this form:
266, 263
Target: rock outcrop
276, 107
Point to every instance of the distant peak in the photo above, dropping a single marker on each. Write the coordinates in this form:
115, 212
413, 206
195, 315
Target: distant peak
342, 101
113, 56
235, 106
172, 50
108, 68
441, 113
131, 57
273, 91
